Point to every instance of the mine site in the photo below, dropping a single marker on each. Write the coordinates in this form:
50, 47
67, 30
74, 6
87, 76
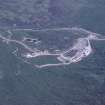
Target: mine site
71, 47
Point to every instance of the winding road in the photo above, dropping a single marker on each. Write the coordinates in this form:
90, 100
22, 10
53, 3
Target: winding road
81, 47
